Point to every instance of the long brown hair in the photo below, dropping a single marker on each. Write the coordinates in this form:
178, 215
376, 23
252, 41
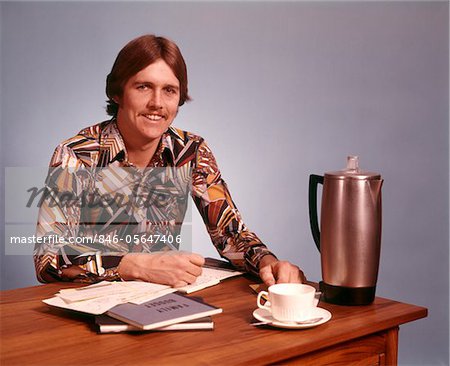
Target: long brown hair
137, 55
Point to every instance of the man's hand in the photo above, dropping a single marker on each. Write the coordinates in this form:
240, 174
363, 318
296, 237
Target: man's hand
272, 271
176, 269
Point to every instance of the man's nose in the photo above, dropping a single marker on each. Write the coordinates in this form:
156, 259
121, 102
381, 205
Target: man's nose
155, 99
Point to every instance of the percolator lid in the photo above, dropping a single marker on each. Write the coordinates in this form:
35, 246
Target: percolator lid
352, 171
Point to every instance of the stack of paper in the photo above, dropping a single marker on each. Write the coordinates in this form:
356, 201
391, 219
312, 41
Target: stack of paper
102, 296
137, 296
135, 306
98, 298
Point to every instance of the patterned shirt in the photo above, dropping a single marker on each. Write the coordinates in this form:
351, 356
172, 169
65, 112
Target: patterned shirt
92, 192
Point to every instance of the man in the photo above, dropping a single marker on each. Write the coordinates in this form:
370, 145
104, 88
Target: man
146, 86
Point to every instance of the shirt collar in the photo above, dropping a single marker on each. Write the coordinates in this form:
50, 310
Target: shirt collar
112, 140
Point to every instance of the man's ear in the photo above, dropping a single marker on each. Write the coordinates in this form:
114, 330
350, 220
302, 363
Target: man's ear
116, 100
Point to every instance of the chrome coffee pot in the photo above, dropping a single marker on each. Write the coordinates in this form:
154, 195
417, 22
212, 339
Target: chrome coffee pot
349, 239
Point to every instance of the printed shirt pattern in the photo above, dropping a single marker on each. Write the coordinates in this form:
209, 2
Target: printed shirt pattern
74, 169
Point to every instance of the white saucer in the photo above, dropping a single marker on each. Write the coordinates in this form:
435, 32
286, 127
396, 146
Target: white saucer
264, 315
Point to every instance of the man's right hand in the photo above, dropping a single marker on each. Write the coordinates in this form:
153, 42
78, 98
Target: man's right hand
176, 269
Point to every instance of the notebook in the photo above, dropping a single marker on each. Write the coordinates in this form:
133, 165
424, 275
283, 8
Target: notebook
106, 324
166, 310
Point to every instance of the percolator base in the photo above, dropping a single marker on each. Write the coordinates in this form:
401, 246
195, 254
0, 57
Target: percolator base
347, 295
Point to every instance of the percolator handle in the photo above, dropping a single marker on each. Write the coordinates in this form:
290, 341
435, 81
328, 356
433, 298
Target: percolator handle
314, 180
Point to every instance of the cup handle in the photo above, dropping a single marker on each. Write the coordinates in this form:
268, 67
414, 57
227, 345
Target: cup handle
258, 300
317, 298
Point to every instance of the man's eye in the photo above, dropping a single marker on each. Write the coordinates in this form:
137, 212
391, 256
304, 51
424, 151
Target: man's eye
142, 87
170, 90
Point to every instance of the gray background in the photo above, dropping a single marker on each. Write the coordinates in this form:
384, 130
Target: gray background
280, 90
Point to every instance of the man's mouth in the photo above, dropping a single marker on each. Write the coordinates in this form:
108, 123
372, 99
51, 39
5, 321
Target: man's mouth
153, 116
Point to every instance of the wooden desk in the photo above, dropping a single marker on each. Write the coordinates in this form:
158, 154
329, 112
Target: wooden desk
34, 334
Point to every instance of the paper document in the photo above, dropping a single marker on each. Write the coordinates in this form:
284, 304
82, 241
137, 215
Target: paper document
209, 277
128, 289
100, 297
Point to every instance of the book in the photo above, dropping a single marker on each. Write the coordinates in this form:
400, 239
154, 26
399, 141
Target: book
166, 310
106, 324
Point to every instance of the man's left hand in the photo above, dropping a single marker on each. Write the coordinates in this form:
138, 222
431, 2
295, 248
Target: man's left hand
272, 271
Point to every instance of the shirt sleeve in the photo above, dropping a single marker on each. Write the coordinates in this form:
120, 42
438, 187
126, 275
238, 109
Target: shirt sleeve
57, 255
232, 239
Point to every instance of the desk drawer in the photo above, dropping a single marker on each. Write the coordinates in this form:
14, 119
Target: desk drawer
365, 351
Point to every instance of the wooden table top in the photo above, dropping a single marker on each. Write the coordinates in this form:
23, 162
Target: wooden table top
34, 334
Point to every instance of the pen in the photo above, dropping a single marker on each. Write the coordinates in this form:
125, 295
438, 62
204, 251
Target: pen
218, 264
93, 286
216, 267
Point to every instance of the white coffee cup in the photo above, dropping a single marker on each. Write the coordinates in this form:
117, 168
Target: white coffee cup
289, 302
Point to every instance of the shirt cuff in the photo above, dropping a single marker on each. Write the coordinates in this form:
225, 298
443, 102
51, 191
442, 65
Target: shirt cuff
95, 268
253, 258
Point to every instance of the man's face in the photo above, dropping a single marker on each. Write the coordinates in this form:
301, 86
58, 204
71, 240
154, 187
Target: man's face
149, 104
